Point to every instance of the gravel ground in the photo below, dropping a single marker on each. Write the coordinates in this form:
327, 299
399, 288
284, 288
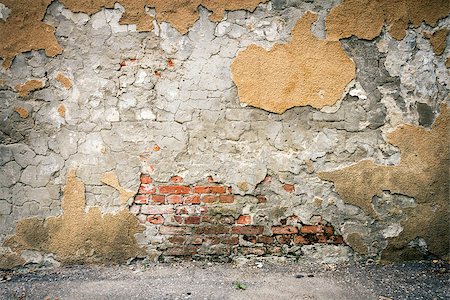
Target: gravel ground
249, 280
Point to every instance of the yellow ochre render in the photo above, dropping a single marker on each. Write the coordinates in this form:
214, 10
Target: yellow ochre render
306, 71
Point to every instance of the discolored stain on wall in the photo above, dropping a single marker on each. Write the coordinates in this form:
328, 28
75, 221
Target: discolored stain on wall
366, 18
306, 71
24, 30
78, 236
29, 86
422, 173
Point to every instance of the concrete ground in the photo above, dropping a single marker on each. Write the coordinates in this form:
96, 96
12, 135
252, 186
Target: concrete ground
249, 280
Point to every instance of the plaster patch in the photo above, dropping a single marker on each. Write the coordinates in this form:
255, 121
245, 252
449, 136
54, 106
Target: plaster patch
110, 178
24, 30
77, 236
22, 111
62, 110
29, 86
438, 40
64, 80
366, 18
306, 71
422, 173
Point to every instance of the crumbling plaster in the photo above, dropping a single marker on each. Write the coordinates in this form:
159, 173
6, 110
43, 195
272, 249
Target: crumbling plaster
164, 104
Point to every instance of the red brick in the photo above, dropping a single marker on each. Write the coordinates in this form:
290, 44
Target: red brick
230, 240
226, 198
314, 229
250, 238
211, 240
210, 199
203, 209
210, 189
141, 199
174, 230
244, 220
284, 229
146, 179
298, 239
191, 199
181, 251
329, 230
289, 188
248, 230
158, 219
185, 210
321, 239
192, 220
274, 250
210, 179
160, 199
174, 189
196, 240
212, 230
265, 239
174, 199
156, 209
261, 199
147, 189
177, 219
176, 179
177, 239
337, 239
284, 239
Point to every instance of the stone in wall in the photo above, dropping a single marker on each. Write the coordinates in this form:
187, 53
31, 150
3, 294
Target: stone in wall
366, 18
422, 173
306, 71
76, 236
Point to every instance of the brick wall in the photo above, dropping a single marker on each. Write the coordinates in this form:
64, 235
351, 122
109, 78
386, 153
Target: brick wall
186, 227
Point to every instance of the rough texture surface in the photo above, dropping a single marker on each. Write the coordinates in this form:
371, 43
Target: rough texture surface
422, 173
366, 18
159, 133
78, 236
306, 71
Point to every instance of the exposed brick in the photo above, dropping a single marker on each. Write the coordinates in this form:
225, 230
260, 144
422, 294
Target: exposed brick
210, 199
289, 188
329, 230
226, 198
211, 240
244, 220
141, 199
203, 209
321, 239
250, 238
249, 230
252, 250
210, 179
174, 230
210, 189
261, 199
337, 239
147, 189
265, 239
176, 179
177, 239
174, 199
177, 219
160, 199
156, 209
192, 220
145, 179
274, 250
284, 239
196, 240
206, 219
230, 240
191, 199
174, 189
314, 229
186, 210
181, 251
212, 229
157, 219
284, 229
300, 240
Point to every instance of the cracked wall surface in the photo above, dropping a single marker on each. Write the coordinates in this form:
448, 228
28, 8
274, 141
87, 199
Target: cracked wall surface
154, 120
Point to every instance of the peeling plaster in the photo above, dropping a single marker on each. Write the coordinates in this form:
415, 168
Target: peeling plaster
422, 173
29, 86
77, 236
306, 71
366, 18
64, 80
110, 178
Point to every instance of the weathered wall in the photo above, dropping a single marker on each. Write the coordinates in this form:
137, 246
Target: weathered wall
222, 129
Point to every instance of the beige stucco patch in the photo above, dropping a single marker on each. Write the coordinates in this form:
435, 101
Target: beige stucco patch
78, 236
365, 18
423, 173
306, 71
